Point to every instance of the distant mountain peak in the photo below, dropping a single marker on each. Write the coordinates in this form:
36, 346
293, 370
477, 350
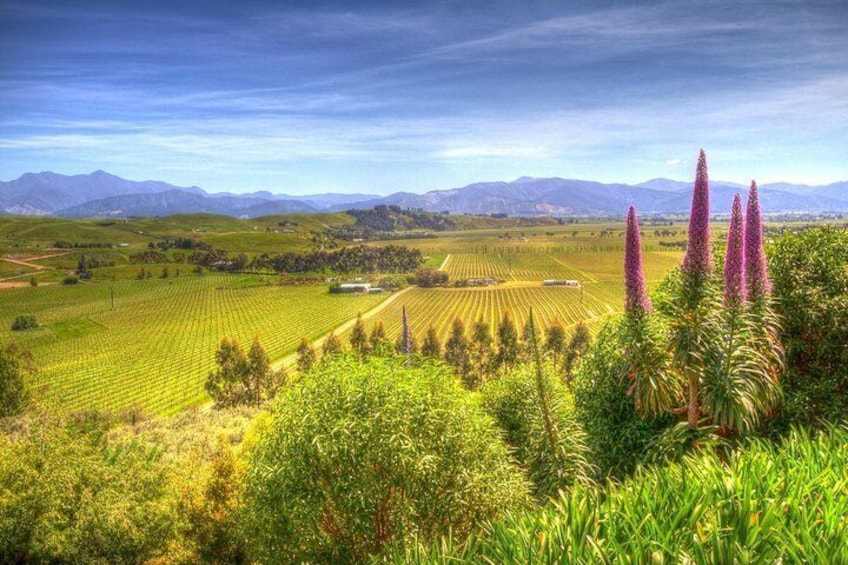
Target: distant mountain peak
101, 193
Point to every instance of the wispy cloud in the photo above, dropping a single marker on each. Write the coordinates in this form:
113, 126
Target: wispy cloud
423, 96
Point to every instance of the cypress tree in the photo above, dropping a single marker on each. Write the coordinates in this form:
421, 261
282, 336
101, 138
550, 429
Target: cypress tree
456, 349
555, 341
332, 345
358, 337
431, 347
481, 353
576, 348
305, 356
508, 348
377, 340
258, 371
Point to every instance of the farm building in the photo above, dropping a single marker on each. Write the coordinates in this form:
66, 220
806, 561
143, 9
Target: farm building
477, 281
364, 288
560, 282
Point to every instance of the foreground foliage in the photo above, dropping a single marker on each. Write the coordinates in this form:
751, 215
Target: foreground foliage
68, 496
617, 435
810, 283
769, 503
364, 454
552, 460
16, 367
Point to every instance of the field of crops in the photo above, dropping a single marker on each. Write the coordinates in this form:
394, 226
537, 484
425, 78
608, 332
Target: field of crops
440, 306
155, 349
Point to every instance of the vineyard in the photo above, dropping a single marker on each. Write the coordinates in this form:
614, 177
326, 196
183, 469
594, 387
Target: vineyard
439, 307
598, 269
155, 348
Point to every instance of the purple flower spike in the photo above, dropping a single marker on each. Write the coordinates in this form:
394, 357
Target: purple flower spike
756, 275
636, 299
734, 260
698, 259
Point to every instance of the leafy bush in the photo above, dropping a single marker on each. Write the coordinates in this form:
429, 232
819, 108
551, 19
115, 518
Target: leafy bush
71, 279
513, 401
768, 504
70, 497
208, 505
616, 434
15, 367
24, 322
364, 454
428, 277
809, 273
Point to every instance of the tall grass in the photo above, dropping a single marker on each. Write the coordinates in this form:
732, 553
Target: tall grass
768, 503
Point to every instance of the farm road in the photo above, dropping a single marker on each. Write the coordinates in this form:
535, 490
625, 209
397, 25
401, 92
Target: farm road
28, 263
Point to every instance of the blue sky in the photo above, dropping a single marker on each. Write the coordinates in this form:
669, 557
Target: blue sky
305, 97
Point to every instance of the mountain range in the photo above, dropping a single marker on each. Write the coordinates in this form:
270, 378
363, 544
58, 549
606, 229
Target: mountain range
101, 194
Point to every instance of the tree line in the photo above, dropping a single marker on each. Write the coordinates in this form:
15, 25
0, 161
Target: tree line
477, 357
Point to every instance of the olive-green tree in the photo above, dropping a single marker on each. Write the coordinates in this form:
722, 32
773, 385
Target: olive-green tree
432, 346
332, 345
306, 356
555, 342
508, 346
362, 456
359, 337
457, 351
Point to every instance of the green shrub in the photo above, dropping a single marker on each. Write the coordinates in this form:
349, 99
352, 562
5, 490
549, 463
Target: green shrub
617, 435
768, 504
71, 279
16, 367
70, 497
809, 273
365, 454
513, 401
24, 322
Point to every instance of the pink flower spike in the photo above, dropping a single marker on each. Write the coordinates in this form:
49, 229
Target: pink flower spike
698, 258
734, 259
636, 298
756, 275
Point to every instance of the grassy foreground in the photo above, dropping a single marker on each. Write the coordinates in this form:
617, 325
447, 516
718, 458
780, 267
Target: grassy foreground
769, 503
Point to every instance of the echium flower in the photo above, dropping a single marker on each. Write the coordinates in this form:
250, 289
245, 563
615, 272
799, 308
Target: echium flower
698, 260
734, 260
405, 335
756, 275
636, 298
